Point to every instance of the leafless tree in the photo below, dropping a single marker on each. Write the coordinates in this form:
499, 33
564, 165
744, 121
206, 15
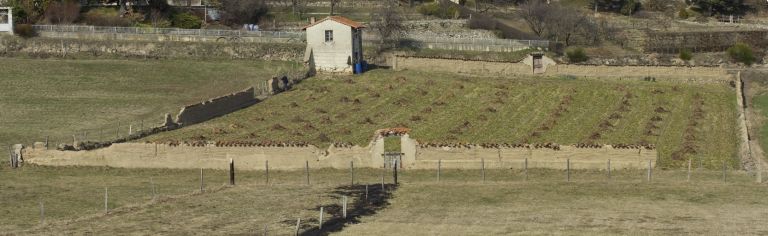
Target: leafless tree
536, 14
564, 23
388, 23
238, 12
63, 12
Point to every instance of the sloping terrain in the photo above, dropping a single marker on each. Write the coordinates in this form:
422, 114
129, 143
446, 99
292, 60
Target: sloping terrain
61, 98
683, 120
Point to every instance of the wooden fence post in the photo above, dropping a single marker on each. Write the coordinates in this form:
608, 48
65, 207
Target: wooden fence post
649, 171
298, 225
568, 169
482, 167
344, 206
525, 167
152, 184
202, 181
439, 164
394, 172
366, 192
688, 179
352, 171
106, 200
609, 169
759, 175
724, 168
306, 172
382, 181
42, 212
321, 218
266, 168
231, 171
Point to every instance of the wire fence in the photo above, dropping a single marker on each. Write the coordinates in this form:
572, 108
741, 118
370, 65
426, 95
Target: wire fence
372, 187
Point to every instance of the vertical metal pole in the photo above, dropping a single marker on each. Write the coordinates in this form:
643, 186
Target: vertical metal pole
394, 172
344, 206
366, 192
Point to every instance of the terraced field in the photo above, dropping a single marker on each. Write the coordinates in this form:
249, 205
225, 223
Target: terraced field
684, 121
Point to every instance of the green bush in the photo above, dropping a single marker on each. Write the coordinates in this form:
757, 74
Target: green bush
686, 55
741, 52
439, 10
576, 55
105, 17
683, 13
25, 30
186, 21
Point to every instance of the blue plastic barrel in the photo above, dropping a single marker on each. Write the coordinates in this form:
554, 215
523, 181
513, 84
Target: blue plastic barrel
358, 68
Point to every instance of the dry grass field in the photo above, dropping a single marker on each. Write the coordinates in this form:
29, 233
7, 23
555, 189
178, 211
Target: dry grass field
460, 204
680, 119
60, 98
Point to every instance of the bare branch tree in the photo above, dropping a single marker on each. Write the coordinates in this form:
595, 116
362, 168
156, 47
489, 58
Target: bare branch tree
388, 23
536, 14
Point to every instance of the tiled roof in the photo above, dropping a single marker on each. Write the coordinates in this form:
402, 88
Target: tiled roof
340, 19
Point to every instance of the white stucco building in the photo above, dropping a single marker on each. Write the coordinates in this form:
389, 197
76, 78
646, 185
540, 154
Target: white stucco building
6, 20
334, 44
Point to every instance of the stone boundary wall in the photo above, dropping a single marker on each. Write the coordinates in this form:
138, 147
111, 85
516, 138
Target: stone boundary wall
146, 155
199, 112
164, 37
81, 48
484, 68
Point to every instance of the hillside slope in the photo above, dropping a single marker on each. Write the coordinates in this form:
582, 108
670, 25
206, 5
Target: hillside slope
683, 121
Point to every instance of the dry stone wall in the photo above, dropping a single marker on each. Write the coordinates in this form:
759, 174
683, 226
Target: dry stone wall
661, 73
146, 155
88, 48
196, 113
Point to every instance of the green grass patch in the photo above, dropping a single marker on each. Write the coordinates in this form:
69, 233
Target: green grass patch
61, 98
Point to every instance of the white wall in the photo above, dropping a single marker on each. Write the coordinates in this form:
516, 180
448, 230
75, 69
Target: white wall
333, 56
8, 27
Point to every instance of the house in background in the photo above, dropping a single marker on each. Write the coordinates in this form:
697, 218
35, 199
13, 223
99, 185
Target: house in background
334, 44
6, 20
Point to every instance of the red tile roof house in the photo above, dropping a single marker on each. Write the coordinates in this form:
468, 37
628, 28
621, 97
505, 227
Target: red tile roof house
334, 45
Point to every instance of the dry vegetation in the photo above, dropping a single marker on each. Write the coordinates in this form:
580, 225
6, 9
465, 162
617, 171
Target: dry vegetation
446, 108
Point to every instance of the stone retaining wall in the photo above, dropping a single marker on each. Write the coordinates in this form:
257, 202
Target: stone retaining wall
215, 107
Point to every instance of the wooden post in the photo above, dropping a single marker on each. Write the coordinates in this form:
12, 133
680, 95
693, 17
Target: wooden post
344, 206
231, 171
688, 179
352, 172
568, 169
117, 131
525, 167
382, 181
759, 175
482, 167
724, 168
42, 212
394, 172
366, 192
106, 200
46, 142
154, 193
609, 169
306, 172
266, 230
266, 168
202, 182
649, 171
321, 218
439, 164
298, 224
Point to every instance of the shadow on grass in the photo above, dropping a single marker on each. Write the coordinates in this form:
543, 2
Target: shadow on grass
362, 205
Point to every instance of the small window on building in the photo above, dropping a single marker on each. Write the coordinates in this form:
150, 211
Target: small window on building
328, 36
